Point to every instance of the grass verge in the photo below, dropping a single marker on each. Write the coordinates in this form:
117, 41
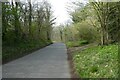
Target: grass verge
97, 62
76, 43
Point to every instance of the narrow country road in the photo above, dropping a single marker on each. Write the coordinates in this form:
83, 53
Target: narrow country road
49, 62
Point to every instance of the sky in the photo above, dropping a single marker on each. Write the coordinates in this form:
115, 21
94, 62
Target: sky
60, 10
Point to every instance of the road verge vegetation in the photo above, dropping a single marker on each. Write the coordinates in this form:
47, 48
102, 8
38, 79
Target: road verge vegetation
97, 62
76, 43
15, 51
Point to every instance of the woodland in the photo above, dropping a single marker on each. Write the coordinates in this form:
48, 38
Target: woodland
28, 26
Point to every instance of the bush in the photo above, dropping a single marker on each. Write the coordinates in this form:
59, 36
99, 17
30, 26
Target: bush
72, 44
87, 32
84, 42
76, 43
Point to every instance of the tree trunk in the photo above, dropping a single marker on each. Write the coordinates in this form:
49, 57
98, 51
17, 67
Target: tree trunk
48, 36
16, 23
61, 35
30, 13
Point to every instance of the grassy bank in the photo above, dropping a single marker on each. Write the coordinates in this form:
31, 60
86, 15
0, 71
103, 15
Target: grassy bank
76, 43
14, 51
97, 62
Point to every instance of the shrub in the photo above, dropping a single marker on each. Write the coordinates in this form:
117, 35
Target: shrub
87, 32
84, 42
76, 43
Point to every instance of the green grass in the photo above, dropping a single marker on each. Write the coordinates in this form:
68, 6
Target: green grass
76, 43
97, 62
11, 52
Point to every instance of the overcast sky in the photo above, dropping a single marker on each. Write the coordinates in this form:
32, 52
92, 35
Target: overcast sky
60, 10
